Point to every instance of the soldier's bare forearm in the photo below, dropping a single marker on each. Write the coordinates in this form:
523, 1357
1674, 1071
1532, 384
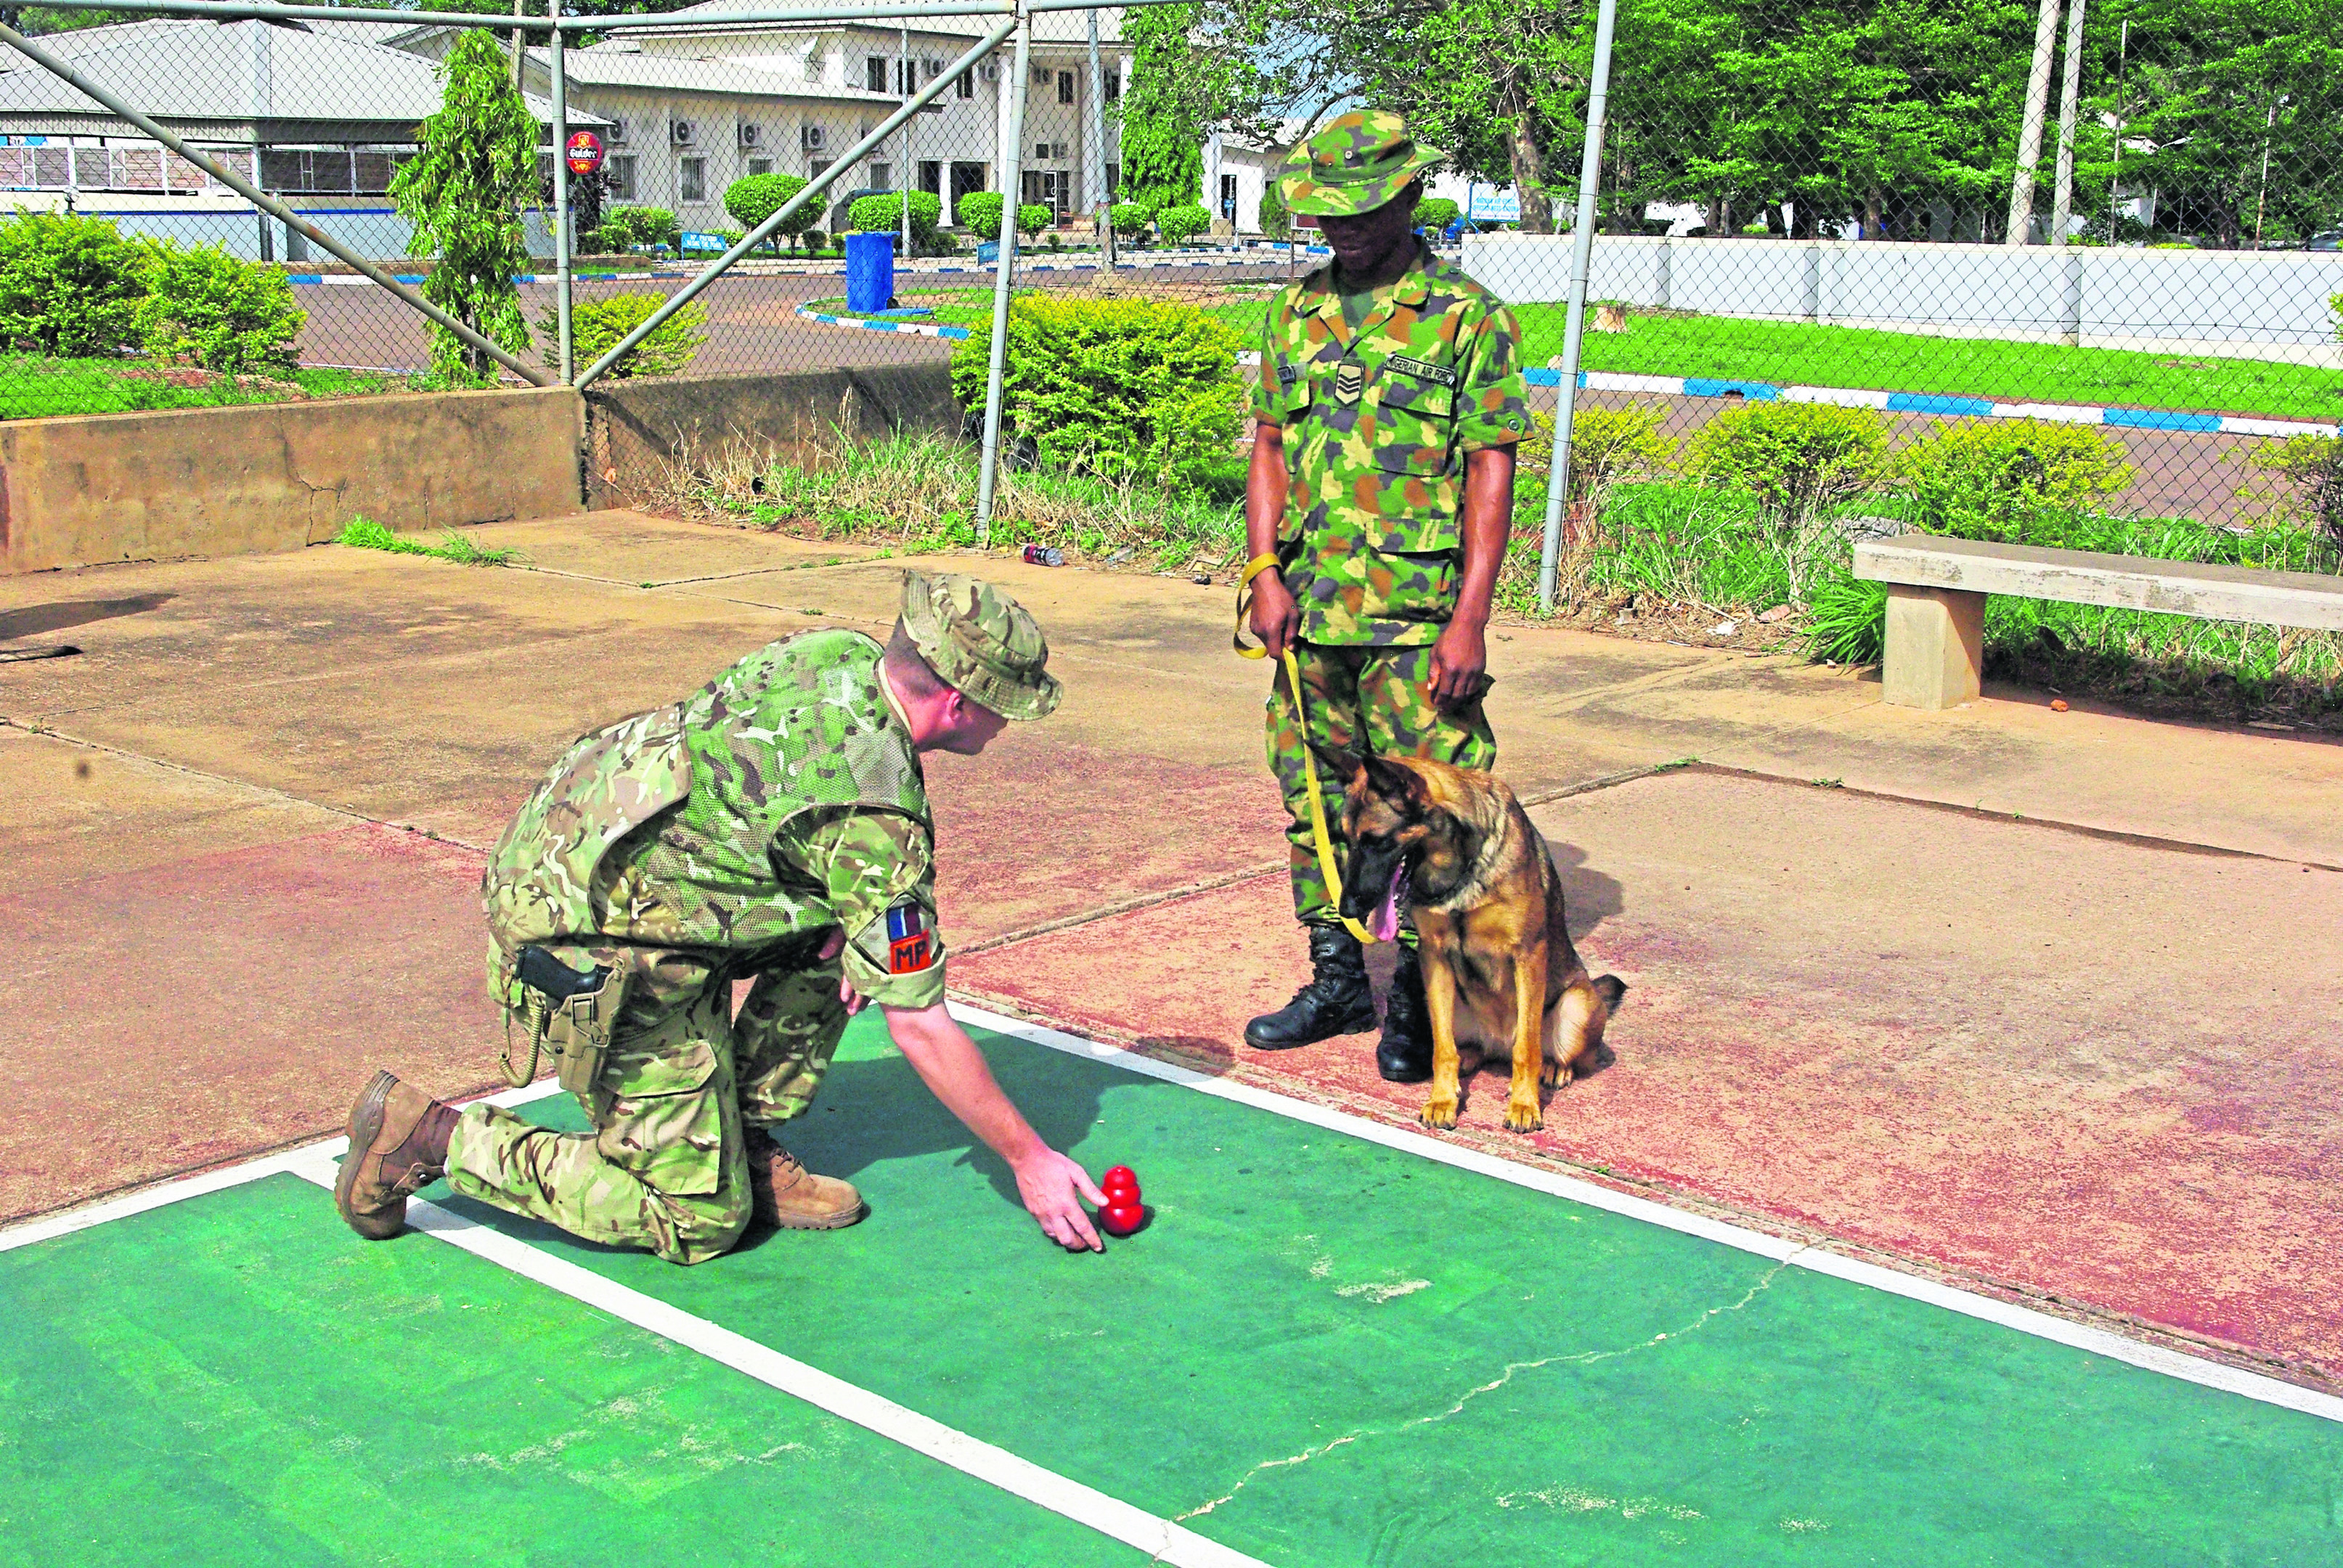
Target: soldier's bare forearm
1265, 482
1487, 522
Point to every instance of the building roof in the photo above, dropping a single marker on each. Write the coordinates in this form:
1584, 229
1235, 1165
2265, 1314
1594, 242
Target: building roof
1052, 28
237, 81
621, 66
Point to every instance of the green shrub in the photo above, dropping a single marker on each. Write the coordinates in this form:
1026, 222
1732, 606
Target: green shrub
1794, 460
1606, 446
69, 286
643, 225
756, 198
1033, 217
596, 326
815, 239
980, 213
2010, 480
884, 214
1276, 223
1179, 225
2312, 466
1129, 218
206, 307
1435, 214
1123, 389
1846, 620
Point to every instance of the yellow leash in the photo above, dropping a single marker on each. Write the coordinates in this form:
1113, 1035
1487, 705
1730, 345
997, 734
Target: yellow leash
1254, 569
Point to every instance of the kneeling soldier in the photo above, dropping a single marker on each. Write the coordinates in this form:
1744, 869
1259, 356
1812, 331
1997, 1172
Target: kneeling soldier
771, 828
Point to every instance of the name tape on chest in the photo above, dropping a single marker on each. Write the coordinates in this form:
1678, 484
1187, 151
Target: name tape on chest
1421, 369
911, 941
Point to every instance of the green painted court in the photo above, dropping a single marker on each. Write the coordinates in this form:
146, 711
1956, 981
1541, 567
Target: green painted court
1335, 1344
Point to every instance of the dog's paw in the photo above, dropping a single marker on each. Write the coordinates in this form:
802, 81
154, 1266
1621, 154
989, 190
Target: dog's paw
1554, 1076
1440, 1115
1524, 1116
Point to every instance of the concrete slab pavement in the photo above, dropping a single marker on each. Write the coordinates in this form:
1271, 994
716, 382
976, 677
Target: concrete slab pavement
225, 908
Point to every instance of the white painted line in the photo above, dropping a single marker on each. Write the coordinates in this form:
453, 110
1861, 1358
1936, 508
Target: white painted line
1108, 1516
2024, 1320
291, 1161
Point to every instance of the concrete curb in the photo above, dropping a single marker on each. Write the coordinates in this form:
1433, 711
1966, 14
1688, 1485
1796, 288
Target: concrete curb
1939, 403
916, 329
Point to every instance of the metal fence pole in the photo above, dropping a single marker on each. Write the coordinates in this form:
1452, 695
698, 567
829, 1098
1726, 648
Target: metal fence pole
1574, 323
294, 222
819, 184
1094, 156
903, 86
1011, 174
561, 264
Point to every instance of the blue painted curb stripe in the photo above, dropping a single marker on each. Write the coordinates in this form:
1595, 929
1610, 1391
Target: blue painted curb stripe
2163, 419
1941, 404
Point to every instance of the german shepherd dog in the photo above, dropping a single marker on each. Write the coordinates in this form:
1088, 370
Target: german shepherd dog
1457, 850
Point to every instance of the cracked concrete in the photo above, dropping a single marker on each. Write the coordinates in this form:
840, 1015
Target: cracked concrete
1511, 1370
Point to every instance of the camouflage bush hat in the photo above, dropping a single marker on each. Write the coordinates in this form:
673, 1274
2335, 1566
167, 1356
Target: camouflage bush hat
981, 643
1361, 161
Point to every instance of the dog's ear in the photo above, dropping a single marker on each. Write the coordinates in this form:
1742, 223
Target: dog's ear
1336, 767
1395, 783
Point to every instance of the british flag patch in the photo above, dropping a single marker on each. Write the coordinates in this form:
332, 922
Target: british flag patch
911, 944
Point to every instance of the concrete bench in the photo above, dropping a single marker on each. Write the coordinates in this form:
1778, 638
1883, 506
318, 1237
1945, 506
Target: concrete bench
1936, 589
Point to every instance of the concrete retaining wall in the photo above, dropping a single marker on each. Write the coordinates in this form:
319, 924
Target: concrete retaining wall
639, 430
276, 476
2261, 304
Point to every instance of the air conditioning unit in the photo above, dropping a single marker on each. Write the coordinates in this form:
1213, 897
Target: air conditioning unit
933, 68
616, 133
813, 138
682, 133
751, 134
1057, 152
989, 70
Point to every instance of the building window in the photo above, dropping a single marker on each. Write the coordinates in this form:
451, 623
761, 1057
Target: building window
1114, 87
966, 86
816, 169
695, 179
1041, 149
622, 178
1065, 87
874, 73
760, 165
903, 79
1228, 197
882, 177
932, 176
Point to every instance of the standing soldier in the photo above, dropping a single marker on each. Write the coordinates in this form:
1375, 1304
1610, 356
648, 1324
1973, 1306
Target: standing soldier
772, 828
1376, 514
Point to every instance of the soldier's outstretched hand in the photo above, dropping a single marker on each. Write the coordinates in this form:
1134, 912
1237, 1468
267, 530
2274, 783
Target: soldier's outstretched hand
1052, 1187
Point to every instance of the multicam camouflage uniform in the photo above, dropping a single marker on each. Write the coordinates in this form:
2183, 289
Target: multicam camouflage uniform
720, 839
1377, 422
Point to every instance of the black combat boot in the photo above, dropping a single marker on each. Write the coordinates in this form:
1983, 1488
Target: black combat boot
1335, 1001
1404, 1053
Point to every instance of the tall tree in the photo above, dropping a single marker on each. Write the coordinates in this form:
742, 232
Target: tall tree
463, 192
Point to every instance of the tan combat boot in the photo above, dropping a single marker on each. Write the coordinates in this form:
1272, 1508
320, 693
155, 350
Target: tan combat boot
792, 1197
399, 1146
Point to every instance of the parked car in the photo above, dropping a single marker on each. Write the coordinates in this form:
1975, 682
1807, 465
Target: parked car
2330, 240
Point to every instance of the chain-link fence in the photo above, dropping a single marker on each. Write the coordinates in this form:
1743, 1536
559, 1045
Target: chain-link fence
2083, 252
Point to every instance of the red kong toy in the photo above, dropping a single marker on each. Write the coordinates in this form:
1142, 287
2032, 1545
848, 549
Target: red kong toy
1123, 1213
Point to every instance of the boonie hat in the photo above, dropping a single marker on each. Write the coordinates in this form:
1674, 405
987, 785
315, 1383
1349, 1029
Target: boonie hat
981, 643
1360, 162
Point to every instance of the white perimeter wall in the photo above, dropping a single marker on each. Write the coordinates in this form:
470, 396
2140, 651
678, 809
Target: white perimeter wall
2265, 305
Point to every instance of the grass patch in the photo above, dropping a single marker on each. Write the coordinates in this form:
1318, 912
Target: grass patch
914, 493
33, 387
362, 533
1792, 353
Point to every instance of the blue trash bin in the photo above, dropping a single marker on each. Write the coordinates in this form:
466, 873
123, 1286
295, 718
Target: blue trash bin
870, 272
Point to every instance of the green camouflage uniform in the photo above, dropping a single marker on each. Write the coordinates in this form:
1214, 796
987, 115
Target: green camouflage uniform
722, 838
1376, 426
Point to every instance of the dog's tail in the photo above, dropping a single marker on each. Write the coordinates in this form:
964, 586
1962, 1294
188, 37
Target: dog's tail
1586, 1009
